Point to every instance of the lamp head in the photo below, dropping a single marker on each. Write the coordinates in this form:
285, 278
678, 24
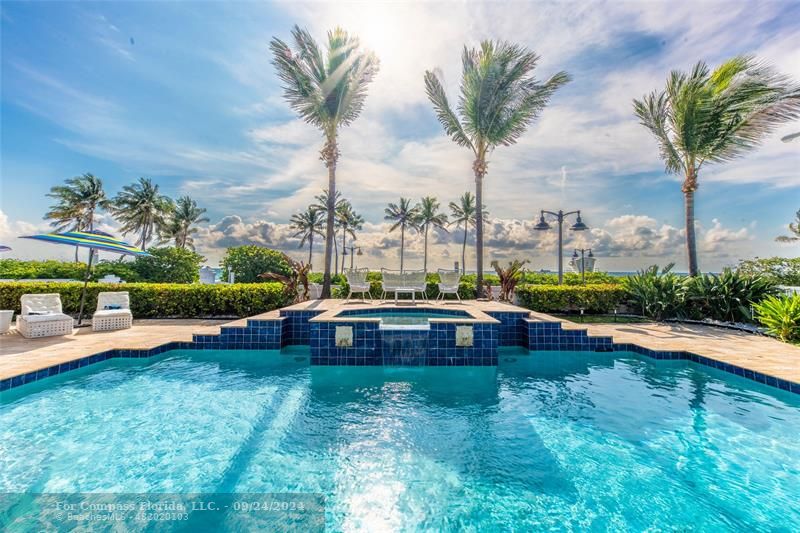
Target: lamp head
542, 225
579, 225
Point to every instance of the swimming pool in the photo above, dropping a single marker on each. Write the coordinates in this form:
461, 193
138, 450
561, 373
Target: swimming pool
580, 440
404, 317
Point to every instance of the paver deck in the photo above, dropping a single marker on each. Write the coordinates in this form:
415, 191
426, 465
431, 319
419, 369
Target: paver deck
760, 354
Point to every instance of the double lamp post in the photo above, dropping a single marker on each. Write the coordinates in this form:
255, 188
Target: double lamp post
543, 225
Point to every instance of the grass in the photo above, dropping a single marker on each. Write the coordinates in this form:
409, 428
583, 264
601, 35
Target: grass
604, 319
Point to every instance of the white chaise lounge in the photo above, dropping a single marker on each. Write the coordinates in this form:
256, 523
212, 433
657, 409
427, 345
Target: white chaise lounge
113, 312
42, 316
449, 281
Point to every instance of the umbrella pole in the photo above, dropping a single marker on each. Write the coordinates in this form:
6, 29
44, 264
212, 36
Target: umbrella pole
85, 283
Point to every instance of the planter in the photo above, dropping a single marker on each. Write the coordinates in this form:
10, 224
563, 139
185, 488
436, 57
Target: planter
5, 321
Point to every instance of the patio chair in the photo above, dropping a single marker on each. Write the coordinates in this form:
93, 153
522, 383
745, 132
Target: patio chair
42, 316
391, 282
449, 281
357, 280
416, 281
113, 312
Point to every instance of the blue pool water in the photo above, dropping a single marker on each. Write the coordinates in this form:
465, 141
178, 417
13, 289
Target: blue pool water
401, 318
560, 440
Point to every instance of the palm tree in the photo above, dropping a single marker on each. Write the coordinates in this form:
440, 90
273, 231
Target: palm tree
350, 222
179, 228
322, 206
77, 202
706, 117
141, 209
404, 216
327, 92
499, 99
794, 227
464, 214
307, 224
429, 216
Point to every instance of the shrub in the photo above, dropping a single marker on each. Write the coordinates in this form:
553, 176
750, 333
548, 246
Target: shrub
777, 269
160, 300
124, 271
168, 265
656, 294
596, 298
781, 316
727, 296
249, 261
17, 269
570, 278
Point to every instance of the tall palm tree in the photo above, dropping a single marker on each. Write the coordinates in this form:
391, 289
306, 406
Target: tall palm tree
322, 205
704, 117
350, 222
404, 216
180, 226
464, 214
307, 224
77, 202
794, 228
327, 91
141, 209
499, 99
429, 216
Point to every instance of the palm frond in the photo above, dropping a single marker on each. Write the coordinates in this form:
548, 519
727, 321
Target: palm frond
446, 116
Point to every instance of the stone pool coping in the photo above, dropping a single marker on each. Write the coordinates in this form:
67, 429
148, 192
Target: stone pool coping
757, 358
475, 313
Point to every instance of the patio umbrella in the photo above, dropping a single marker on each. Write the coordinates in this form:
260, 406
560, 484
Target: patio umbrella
95, 241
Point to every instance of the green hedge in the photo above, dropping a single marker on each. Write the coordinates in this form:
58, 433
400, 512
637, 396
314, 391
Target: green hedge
597, 298
160, 300
466, 289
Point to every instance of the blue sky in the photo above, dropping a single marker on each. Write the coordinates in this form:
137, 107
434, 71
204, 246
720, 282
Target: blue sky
184, 93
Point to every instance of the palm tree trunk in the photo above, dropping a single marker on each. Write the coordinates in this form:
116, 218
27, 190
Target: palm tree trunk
402, 244
425, 260
689, 187
691, 241
310, 249
329, 156
336, 254
464, 250
479, 168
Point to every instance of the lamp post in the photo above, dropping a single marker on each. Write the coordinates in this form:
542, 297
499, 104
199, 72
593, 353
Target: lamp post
583, 260
560, 216
354, 250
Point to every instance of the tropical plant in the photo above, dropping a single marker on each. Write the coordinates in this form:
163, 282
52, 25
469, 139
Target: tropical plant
179, 227
727, 296
77, 203
294, 281
168, 265
249, 261
499, 99
781, 316
464, 214
306, 225
659, 294
404, 216
327, 91
142, 209
706, 117
780, 270
794, 229
350, 222
509, 277
429, 216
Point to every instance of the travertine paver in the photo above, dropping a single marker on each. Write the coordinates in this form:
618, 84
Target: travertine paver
757, 353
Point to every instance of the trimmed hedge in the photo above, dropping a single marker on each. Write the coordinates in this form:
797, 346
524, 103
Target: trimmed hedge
160, 300
597, 298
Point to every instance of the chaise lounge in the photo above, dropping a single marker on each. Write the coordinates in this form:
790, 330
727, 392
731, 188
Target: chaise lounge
42, 316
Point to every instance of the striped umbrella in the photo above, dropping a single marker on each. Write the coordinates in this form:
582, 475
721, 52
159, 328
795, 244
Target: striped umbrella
95, 241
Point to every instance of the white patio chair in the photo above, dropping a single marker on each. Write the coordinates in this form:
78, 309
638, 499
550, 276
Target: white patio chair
391, 282
113, 312
449, 281
357, 280
416, 281
42, 316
